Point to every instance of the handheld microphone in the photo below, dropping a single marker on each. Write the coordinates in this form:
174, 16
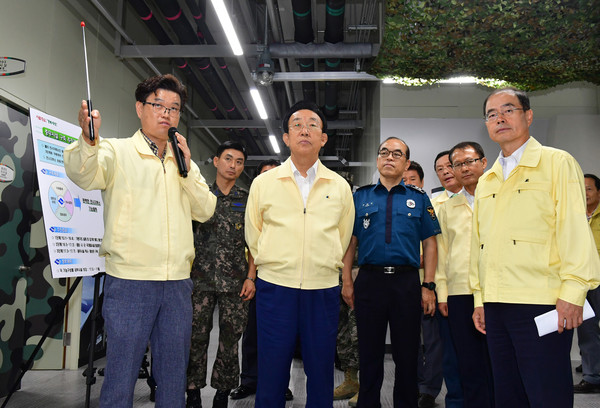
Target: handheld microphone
177, 153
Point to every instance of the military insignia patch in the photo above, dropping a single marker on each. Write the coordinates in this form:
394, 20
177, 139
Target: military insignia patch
238, 226
431, 212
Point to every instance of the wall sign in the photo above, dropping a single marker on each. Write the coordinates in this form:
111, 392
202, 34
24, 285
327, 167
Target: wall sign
11, 66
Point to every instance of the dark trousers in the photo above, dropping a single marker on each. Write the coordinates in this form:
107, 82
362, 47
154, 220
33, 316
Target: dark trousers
380, 299
471, 352
529, 371
454, 394
249, 373
283, 314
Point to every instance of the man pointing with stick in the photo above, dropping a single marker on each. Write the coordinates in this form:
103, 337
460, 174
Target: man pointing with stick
148, 241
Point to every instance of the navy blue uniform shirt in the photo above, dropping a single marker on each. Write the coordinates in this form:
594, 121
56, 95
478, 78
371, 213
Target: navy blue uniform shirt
391, 225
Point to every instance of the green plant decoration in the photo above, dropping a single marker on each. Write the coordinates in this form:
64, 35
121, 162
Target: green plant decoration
531, 44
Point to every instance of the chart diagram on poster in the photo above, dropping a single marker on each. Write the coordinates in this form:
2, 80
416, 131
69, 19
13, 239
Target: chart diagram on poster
72, 216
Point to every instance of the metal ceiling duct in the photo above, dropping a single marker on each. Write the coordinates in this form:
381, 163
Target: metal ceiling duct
334, 33
188, 36
303, 34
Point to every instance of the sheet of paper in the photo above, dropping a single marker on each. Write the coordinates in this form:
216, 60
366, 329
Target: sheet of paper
547, 323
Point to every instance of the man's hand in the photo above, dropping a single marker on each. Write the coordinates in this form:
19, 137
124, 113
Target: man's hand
570, 316
428, 301
348, 293
84, 122
182, 143
443, 308
479, 319
248, 290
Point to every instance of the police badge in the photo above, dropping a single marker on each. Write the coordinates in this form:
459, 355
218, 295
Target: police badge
366, 222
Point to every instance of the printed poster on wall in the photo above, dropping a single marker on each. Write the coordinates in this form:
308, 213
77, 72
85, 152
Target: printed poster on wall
72, 216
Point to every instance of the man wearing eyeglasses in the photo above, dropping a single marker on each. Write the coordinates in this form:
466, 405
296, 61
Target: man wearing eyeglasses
392, 219
531, 252
298, 224
148, 242
452, 276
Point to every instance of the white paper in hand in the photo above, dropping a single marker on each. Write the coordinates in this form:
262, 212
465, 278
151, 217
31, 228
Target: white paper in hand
547, 323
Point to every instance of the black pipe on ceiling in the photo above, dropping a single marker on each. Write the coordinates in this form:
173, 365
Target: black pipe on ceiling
154, 26
334, 33
198, 10
186, 35
303, 33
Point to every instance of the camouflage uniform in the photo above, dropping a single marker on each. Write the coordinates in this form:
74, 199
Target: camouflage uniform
347, 337
218, 273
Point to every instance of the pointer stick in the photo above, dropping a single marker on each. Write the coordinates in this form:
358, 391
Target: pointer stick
87, 79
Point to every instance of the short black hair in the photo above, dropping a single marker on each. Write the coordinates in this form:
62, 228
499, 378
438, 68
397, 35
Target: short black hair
521, 95
168, 82
440, 154
308, 105
463, 145
595, 178
265, 163
397, 138
417, 167
229, 144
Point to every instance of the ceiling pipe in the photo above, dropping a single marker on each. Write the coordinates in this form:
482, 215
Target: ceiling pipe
186, 34
303, 34
146, 15
334, 33
198, 10
277, 36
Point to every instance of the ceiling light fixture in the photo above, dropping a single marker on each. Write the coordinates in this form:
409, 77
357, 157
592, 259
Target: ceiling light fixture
274, 144
225, 20
264, 70
259, 103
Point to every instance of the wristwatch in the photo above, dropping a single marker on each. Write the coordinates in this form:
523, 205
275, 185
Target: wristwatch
428, 285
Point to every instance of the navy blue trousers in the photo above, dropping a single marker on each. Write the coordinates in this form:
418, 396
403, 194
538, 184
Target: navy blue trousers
529, 371
380, 299
282, 315
471, 352
454, 394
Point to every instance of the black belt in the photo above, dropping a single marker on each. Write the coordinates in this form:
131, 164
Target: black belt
389, 269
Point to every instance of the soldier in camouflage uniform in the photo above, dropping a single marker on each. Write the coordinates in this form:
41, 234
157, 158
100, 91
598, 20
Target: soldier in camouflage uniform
220, 275
347, 350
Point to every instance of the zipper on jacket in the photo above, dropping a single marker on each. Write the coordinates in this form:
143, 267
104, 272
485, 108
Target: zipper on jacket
303, 247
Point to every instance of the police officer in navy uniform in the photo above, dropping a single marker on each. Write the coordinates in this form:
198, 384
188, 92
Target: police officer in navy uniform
392, 219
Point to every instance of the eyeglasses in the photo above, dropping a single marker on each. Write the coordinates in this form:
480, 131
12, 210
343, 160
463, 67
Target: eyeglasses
506, 112
160, 109
468, 163
396, 154
311, 127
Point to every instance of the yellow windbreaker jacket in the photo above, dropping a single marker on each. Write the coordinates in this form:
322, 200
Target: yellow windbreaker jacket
531, 242
454, 244
148, 207
293, 245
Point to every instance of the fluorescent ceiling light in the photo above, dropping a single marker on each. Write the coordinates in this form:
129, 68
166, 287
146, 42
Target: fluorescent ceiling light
259, 104
274, 143
225, 20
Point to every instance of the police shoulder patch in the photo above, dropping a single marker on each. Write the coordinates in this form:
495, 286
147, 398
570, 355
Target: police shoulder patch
419, 189
431, 212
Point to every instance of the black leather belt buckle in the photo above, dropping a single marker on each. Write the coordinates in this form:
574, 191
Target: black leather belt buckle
389, 270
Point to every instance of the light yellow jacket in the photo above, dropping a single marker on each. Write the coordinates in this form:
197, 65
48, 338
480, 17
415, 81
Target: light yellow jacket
595, 226
531, 242
148, 207
294, 246
454, 243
